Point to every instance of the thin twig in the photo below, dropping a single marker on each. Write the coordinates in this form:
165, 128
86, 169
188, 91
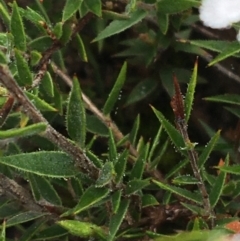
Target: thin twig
81, 161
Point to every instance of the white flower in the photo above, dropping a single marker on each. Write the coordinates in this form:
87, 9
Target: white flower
220, 13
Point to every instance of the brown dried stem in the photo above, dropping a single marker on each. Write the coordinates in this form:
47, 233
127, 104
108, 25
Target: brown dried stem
177, 104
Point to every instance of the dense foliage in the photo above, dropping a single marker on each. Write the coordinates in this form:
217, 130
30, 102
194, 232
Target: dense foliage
97, 140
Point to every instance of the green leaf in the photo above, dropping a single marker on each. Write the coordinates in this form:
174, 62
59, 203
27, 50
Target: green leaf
24, 131
47, 84
217, 188
57, 31
185, 180
180, 191
52, 232
44, 189
227, 52
96, 161
208, 149
177, 168
149, 200
90, 197
32, 16
23, 218
173, 6
117, 219
118, 26
163, 22
70, 8
114, 94
94, 6
95, 126
136, 185
43, 163
226, 98
24, 73
3, 232
174, 134
141, 91
4, 14
234, 169
116, 200
190, 92
213, 45
76, 116
134, 131
112, 153
155, 144
193, 208
82, 229
139, 165
39, 103
120, 166
32, 230
81, 48
17, 29
40, 44
35, 57
106, 175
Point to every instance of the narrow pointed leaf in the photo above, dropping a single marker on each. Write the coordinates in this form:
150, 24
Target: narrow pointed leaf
51, 233
114, 94
47, 84
45, 189
120, 166
70, 8
81, 48
134, 131
23, 217
117, 219
94, 6
106, 175
95, 126
90, 197
173, 134
24, 73
173, 6
17, 29
32, 230
217, 188
43, 163
116, 200
184, 180
154, 144
112, 153
136, 185
234, 169
24, 131
190, 92
83, 229
227, 52
149, 200
76, 116
118, 26
177, 168
226, 98
31, 15
4, 14
180, 191
41, 105
139, 165
141, 91
208, 149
